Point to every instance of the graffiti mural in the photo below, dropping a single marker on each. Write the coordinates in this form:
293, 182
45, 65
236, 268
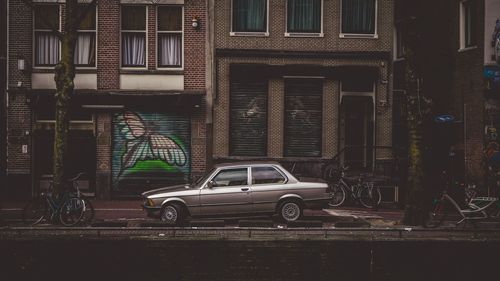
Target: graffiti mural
149, 148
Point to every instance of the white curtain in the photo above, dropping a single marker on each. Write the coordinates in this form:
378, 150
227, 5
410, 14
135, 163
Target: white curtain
85, 49
133, 45
170, 49
47, 49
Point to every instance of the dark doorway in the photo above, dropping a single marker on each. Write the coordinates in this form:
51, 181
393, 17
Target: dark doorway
356, 126
81, 158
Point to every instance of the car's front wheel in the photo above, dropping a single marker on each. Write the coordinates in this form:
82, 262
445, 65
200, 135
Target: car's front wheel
290, 211
171, 214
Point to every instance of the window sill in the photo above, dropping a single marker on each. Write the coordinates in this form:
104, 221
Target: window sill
304, 35
249, 34
358, 36
149, 72
465, 49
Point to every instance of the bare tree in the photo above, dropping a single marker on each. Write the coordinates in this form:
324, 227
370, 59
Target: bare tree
64, 77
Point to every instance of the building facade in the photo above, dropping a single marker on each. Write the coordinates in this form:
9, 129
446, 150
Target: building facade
303, 80
138, 112
460, 74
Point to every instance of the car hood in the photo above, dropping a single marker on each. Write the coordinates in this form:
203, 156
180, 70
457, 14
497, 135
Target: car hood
173, 188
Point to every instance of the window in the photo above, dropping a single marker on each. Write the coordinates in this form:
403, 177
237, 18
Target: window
467, 24
86, 43
304, 16
249, 15
231, 177
359, 17
169, 36
266, 175
133, 36
399, 49
46, 42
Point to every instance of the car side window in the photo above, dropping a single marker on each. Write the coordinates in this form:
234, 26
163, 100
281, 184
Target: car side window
231, 177
266, 175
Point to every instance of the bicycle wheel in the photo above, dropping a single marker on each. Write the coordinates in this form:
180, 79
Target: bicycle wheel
71, 211
35, 211
436, 216
337, 194
88, 214
370, 196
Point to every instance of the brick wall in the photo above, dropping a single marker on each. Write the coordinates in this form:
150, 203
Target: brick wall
331, 29
194, 45
108, 50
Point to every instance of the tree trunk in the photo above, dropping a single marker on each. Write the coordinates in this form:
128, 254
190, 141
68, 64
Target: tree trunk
64, 76
414, 211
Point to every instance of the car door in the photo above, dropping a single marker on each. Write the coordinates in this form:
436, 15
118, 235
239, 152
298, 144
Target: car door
230, 193
268, 185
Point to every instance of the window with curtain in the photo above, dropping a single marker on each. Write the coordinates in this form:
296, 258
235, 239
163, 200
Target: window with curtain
169, 28
468, 19
304, 16
86, 45
46, 18
249, 16
133, 29
358, 16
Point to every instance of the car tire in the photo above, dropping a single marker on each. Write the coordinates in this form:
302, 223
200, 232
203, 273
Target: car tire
171, 214
290, 210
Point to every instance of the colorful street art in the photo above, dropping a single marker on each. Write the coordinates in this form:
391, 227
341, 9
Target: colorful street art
149, 147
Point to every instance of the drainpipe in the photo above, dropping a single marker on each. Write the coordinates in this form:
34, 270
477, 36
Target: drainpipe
210, 80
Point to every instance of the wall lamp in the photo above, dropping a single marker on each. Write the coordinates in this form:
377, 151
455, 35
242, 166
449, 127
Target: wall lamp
21, 64
195, 22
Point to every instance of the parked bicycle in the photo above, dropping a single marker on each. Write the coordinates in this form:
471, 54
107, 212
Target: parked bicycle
68, 209
71, 209
445, 208
360, 189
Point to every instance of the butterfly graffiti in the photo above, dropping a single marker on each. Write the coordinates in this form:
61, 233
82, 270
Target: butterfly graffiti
144, 143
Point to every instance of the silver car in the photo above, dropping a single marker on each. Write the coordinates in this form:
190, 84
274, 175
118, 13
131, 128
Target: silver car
238, 189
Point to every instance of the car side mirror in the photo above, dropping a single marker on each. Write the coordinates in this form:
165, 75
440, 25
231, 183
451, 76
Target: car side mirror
210, 184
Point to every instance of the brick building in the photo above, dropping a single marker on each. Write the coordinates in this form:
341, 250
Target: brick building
138, 111
303, 80
460, 73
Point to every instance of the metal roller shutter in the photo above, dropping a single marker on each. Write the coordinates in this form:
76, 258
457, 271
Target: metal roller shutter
303, 117
248, 121
150, 149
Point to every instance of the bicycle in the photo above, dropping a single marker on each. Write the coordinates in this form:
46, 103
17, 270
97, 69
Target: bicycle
446, 208
360, 189
68, 210
89, 212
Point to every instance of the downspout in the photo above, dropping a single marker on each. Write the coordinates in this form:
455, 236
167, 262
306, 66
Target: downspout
210, 82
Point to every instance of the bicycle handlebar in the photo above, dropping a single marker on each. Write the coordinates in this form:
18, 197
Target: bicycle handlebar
76, 177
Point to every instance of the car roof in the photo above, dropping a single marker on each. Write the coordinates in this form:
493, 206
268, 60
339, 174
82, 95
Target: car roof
246, 163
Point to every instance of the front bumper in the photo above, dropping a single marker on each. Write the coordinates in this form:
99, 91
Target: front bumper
151, 211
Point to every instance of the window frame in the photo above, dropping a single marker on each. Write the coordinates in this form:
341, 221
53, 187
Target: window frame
272, 167
146, 33
359, 35
181, 67
399, 47
249, 33
304, 34
35, 30
464, 45
95, 39
249, 179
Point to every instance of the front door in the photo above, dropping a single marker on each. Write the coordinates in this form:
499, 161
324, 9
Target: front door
357, 131
230, 194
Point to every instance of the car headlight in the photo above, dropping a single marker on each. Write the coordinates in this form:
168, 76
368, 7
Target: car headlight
148, 202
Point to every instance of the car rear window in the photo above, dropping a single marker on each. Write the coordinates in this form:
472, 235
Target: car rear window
266, 175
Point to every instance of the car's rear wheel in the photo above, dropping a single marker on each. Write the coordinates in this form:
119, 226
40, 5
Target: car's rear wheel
290, 211
171, 214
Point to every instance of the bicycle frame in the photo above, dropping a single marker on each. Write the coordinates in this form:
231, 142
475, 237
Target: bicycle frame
477, 207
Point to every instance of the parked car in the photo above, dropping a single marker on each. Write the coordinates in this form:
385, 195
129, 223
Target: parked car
236, 189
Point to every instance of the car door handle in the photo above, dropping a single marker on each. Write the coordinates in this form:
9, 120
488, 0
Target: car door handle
245, 189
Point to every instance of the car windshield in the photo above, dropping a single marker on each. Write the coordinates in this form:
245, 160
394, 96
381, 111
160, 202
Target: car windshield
202, 179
